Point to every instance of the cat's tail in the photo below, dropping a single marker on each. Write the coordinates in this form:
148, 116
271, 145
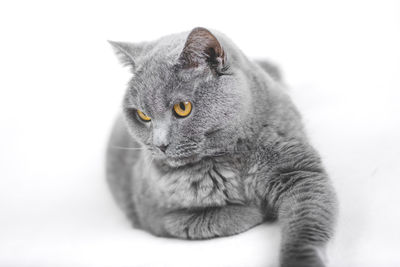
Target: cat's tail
272, 69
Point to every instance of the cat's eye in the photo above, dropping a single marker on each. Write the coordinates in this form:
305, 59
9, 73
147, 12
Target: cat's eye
143, 116
183, 109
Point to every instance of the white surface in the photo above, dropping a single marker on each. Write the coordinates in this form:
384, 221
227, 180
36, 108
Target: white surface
61, 86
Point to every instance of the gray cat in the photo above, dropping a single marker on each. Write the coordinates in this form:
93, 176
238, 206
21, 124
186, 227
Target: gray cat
209, 145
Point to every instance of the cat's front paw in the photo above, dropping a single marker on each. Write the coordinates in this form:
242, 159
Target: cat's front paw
310, 257
211, 222
303, 263
187, 226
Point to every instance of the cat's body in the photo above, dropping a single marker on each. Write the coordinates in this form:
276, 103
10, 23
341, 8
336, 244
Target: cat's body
241, 157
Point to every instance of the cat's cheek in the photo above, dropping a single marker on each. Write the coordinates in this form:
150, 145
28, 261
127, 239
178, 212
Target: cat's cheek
140, 131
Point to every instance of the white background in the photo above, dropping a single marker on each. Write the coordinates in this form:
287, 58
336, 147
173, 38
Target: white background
61, 87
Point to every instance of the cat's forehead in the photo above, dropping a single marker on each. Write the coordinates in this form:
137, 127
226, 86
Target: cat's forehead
157, 84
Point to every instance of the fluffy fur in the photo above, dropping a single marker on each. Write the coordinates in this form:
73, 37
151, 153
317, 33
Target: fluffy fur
240, 158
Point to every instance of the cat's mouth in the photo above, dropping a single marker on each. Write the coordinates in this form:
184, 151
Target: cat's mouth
179, 161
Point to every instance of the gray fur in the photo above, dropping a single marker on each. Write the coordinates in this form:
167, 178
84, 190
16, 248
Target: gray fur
240, 158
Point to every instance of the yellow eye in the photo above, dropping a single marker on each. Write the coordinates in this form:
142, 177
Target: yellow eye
143, 116
183, 109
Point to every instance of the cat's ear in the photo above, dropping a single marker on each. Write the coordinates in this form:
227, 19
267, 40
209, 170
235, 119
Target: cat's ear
126, 53
202, 47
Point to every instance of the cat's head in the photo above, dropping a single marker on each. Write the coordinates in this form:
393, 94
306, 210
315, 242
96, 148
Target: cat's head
187, 99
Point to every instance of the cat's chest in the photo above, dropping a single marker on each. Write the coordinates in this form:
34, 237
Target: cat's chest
202, 186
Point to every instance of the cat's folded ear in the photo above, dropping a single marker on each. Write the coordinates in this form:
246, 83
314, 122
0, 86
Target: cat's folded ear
202, 47
126, 53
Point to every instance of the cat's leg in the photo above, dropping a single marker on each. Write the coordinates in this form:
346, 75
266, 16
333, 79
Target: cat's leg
306, 207
211, 222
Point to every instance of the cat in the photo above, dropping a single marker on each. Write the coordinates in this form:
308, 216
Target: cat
209, 144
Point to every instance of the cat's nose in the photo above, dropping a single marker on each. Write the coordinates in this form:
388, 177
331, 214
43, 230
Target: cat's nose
163, 147
160, 135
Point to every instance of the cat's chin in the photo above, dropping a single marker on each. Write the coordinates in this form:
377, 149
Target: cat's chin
182, 161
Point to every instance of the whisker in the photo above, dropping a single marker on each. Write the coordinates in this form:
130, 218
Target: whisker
128, 148
217, 154
236, 151
182, 146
